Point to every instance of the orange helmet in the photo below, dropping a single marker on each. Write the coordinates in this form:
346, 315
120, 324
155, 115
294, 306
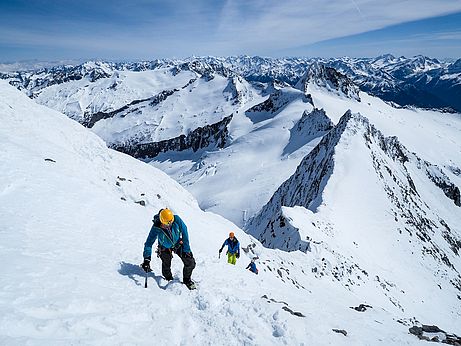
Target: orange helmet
231, 234
166, 216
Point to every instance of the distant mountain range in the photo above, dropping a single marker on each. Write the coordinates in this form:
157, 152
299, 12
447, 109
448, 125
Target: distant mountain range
198, 118
418, 81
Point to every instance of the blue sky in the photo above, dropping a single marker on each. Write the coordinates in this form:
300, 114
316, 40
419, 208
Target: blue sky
148, 29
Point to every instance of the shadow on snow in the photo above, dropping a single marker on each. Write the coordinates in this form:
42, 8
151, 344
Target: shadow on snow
137, 274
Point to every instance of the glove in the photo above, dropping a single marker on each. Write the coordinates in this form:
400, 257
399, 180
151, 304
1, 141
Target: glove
238, 254
146, 265
220, 250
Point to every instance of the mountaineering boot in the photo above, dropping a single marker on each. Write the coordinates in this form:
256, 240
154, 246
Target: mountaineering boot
190, 285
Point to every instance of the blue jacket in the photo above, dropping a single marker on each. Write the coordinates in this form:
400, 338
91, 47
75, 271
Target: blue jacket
233, 246
167, 238
252, 267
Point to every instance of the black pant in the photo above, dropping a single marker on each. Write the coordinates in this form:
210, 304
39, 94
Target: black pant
189, 263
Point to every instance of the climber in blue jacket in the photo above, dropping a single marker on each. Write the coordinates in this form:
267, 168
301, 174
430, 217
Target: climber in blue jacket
252, 267
233, 248
173, 237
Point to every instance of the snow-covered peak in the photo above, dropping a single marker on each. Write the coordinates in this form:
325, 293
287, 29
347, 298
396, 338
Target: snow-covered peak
204, 68
239, 91
455, 67
94, 70
383, 60
312, 125
419, 81
306, 186
328, 78
275, 103
361, 190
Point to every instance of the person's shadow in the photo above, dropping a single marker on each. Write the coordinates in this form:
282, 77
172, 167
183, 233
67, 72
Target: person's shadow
137, 274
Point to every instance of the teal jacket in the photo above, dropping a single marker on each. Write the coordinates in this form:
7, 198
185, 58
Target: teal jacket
169, 239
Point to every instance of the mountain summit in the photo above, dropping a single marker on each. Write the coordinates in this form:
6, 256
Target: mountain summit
328, 78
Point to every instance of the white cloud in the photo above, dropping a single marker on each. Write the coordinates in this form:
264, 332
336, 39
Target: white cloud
234, 27
289, 23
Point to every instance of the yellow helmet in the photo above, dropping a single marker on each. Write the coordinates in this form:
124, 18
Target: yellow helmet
166, 217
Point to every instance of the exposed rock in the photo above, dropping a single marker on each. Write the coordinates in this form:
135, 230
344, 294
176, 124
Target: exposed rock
90, 119
232, 92
285, 307
340, 331
312, 125
361, 307
294, 313
329, 78
275, 103
314, 122
202, 137
435, 334
443, 182
35, 81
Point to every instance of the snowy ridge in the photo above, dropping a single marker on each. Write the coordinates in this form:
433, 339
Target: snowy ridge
274, 104
152, 108
238, 91
359, 198
171, 114
301, 188
305, 187
136, 106
418, 81
311, 125
208, 137
329, 78
80, 99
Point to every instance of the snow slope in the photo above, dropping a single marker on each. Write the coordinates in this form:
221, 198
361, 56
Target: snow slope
79, 97
377, 212
71, 238
268, 142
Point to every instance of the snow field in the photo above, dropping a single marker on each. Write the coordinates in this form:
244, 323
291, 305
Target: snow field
71, 240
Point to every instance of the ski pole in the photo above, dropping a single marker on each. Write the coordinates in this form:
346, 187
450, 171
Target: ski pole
145, 282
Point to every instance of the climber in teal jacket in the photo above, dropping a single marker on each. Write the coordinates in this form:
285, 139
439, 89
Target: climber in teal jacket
173, 237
